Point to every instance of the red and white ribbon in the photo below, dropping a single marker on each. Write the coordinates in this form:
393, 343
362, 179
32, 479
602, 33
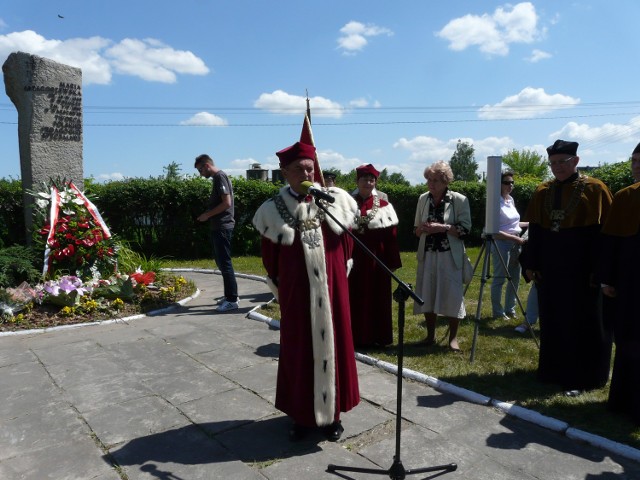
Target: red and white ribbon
92, 210
54, 212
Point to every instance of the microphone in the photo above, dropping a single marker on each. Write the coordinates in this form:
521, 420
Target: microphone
310, 189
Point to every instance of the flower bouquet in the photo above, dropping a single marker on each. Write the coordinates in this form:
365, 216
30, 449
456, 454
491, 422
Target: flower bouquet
76, 240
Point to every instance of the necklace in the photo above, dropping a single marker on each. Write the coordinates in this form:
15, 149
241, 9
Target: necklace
363, 220
309, 228
558, 215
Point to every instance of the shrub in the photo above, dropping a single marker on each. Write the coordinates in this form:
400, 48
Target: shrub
17, 265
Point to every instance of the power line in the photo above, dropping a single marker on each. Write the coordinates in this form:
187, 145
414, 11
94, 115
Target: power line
351, 123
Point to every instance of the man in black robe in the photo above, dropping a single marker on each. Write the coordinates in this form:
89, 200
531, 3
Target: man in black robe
620, 263
565, 217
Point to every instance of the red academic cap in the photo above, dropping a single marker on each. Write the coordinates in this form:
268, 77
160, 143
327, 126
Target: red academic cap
367, 169
295, 152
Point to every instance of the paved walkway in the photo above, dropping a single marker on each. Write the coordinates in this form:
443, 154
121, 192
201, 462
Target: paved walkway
188, 394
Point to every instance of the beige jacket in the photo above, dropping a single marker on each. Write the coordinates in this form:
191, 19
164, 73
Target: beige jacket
456, 212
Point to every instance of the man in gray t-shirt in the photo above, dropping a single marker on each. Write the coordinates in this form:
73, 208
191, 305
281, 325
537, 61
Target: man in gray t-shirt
220, 214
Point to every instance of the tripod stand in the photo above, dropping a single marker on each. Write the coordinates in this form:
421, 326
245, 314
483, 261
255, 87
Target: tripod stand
400, 295
486, 274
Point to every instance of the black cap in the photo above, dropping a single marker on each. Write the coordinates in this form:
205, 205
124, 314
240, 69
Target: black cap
636, 150
327, 174
562, 147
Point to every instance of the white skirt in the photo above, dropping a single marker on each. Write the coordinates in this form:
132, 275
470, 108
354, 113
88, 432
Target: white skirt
439, 284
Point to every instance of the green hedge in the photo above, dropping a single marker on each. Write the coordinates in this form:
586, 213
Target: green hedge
156, 216
12, 227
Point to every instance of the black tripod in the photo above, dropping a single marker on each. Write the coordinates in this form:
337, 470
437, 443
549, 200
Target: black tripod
486, 274
400, 295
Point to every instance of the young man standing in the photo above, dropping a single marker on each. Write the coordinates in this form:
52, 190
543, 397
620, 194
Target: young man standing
220, 214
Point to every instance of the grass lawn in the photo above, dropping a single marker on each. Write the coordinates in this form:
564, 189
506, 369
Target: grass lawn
505, 361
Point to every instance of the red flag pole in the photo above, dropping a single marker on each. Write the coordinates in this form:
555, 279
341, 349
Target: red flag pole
306, 136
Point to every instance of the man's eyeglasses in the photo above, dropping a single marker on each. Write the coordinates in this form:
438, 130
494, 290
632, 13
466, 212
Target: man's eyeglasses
508, 183
555, 163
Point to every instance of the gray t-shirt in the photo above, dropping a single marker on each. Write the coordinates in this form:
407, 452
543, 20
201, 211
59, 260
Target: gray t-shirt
221, 186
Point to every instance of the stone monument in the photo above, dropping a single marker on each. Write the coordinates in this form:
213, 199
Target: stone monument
48, 97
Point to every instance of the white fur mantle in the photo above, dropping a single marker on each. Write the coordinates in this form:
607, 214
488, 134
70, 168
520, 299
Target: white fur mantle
385, 217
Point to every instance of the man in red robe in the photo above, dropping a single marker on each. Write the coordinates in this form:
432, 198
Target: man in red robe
306, 255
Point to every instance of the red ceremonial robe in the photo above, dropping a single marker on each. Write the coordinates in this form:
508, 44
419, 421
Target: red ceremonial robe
370, 285
317, 360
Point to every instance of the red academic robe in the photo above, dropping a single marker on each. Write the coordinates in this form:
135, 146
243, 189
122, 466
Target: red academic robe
299, 388
370, 285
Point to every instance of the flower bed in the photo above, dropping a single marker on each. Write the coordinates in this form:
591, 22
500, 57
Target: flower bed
68, 302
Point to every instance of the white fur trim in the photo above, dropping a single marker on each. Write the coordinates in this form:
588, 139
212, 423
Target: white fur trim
270, 224
385, 217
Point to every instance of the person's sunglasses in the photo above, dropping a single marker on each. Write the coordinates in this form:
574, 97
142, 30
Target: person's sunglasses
508, 183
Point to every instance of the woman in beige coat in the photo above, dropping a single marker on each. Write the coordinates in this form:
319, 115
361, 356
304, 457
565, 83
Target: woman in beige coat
442, 219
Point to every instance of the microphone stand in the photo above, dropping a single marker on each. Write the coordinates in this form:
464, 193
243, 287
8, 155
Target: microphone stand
400, 295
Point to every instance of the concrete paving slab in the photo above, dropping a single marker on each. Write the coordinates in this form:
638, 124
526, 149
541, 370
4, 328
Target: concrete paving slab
114, 424
55, 423
194, 384
78, 461
226, 410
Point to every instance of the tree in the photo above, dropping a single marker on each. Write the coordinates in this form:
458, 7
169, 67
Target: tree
172, 171
398, 178
615, 175
526, 163
463, 164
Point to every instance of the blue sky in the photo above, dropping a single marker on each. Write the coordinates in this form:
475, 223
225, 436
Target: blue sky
395, 84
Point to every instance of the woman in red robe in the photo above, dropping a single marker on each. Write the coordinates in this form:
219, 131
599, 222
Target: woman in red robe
369, 283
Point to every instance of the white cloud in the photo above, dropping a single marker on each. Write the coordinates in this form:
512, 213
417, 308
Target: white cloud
493, 33
423, 151
354, 36
3, 24
537, 55
364, 103
98, 57
607, 133
528, 103
108, 177
205, 119
282, 102
332, 159
359, 103
152, 60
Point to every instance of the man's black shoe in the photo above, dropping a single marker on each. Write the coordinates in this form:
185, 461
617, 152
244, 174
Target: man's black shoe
334, 431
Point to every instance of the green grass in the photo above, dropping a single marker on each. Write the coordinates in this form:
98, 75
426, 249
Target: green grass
505, 361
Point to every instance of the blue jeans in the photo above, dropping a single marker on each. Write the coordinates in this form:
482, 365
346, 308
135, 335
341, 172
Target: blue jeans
532, 305
510, 252
221, 240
